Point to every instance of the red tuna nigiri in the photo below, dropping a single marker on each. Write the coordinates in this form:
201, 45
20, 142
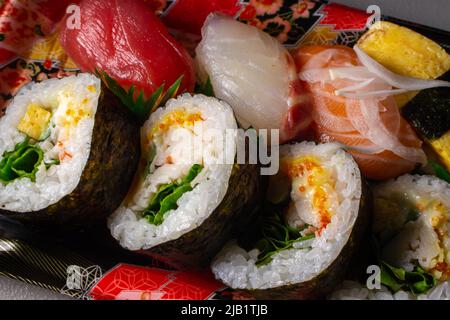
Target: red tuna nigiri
371, 129
127, 41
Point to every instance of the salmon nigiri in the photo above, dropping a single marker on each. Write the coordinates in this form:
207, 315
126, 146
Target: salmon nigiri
370, 128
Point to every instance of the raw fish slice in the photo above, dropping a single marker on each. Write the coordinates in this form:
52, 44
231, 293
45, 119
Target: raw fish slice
126, 40
255, 74
372, 130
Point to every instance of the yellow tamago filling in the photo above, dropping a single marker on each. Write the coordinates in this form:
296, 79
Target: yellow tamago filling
405, 52
35, 121
442, 147
314, 182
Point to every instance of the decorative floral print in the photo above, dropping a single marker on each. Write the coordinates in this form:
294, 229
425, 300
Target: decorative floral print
302, 9
266, 6
277, 27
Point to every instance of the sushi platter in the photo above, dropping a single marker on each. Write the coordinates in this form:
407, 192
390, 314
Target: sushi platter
226, 149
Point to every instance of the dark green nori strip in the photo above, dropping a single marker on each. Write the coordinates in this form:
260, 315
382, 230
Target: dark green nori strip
429, 112
107, 176
237, 210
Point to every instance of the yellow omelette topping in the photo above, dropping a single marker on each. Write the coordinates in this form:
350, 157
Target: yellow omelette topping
179, 118
316, 183
35, 121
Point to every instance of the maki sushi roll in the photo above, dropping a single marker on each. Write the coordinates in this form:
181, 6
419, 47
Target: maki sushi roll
308, 238
189, 195
68, 153
412, 229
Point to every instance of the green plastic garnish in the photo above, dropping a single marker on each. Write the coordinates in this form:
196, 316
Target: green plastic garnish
22, 162
277, 236
205, 88
167, 196
417, 281
440, 171
136, 101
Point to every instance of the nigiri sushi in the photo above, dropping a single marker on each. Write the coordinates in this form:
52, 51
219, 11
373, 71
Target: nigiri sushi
255, 74
127, 41
370, 128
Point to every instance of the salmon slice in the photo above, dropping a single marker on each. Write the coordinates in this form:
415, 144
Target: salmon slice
371, 129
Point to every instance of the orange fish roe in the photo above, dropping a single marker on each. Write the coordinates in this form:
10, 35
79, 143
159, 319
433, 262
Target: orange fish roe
316, 177
175, 118
445, 269
73, 116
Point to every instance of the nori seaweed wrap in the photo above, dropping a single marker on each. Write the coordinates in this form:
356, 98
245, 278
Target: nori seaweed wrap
315, 221
189, 196
68, 153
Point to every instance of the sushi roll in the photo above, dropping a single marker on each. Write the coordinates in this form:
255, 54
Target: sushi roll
306, 244
68, 153
411, 226
189, 195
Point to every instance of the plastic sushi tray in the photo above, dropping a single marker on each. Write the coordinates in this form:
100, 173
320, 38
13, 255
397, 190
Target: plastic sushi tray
88, 263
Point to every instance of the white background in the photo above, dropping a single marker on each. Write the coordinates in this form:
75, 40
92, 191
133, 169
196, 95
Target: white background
435, 13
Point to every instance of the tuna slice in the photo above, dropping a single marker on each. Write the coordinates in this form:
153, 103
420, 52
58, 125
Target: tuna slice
127, 41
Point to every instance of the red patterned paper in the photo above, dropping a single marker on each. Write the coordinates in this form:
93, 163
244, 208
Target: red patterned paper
128, 282
344, 18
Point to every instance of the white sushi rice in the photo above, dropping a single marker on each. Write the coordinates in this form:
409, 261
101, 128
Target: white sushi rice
181, 144
236, 267
414, 188
58, 96
415, 241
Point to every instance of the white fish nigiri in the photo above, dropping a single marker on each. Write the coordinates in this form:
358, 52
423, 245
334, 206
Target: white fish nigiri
253, 72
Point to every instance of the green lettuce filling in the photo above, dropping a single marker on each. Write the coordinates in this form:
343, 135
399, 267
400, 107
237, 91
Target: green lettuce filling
22, 162
277, 236
167, 196
417, 281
